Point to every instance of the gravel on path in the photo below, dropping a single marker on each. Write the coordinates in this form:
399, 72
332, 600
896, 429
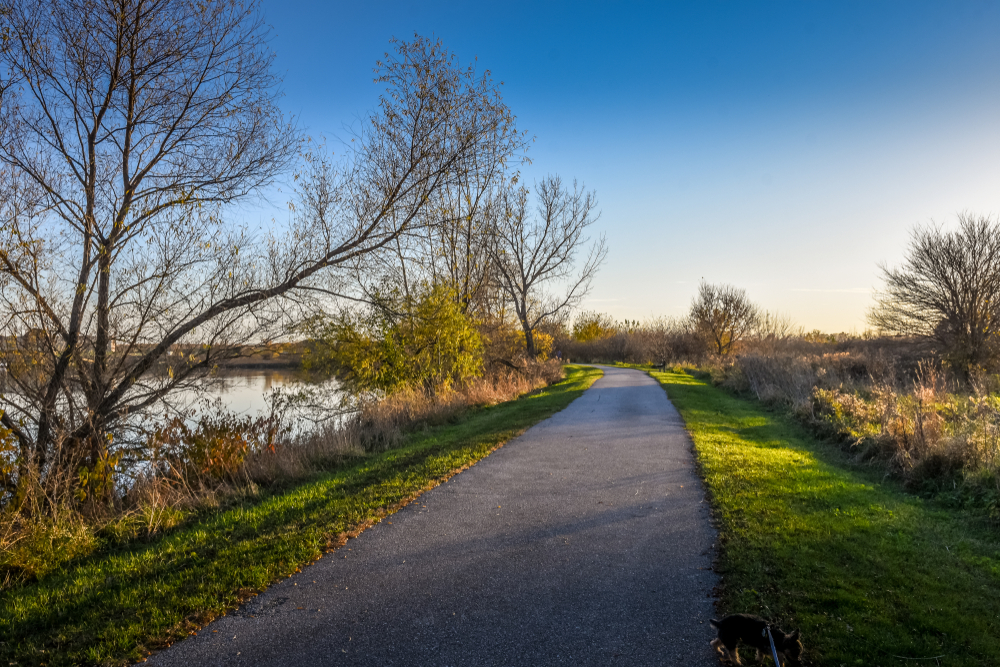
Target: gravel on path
586, 541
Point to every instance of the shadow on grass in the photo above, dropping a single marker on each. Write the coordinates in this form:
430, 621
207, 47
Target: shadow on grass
114, 606
872, 575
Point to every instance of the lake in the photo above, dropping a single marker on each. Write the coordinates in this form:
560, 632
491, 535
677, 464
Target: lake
246, 392
243, 391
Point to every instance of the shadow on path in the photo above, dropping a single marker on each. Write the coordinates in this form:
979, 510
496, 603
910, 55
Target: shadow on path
586, 541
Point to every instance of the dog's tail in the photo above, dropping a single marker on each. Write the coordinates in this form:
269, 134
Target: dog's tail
714, 623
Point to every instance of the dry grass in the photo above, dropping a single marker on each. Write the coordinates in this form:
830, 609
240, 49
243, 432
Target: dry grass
191, 469
939, 436
887, 400
655, 341
380, 425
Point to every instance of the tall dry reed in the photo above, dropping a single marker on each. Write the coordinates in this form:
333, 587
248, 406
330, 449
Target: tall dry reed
889, 407
223, 458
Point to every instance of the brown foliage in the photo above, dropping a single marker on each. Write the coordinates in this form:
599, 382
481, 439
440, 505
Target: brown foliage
655, 341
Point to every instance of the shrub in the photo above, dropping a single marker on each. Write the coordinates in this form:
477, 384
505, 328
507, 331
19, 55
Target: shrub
591, 325
398, 342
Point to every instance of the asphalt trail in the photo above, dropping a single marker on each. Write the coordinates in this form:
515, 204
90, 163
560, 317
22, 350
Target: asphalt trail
586, 541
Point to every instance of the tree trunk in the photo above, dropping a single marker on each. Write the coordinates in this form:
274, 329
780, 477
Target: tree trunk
529, 340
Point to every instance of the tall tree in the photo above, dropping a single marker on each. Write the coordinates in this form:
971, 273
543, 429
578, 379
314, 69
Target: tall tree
453, 243
128, 130
535, 253
947, 292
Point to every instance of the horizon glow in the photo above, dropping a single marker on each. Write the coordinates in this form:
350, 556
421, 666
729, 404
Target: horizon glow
785, 148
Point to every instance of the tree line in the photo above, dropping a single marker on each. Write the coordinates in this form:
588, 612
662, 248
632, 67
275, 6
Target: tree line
942, 303
721, 322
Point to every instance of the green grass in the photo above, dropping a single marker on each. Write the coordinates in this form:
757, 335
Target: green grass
114, 606
813, 541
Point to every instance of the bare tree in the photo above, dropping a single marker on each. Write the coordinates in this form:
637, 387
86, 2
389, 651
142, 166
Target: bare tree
464, 244
534, 252
454, 242
947, 292
129, 123
461, 245
723, 315
773, 331
128, 130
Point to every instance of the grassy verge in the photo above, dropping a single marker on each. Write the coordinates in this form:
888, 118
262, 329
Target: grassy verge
115, 606
872, 575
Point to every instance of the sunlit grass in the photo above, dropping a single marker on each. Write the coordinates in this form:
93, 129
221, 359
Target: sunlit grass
115, 606
869, 573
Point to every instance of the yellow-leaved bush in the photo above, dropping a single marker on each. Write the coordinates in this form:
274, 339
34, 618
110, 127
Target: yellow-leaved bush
591, 325
423, 340
543, 343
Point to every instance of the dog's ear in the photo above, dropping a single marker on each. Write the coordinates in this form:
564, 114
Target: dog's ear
794, 636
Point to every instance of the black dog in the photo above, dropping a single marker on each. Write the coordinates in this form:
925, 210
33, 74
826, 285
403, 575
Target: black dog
751, 630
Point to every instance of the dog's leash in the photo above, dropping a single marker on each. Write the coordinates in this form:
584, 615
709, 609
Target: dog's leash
774, 652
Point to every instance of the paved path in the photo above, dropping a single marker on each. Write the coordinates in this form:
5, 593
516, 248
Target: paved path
586, 541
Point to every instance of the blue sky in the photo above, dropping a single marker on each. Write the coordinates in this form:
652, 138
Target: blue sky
786, 148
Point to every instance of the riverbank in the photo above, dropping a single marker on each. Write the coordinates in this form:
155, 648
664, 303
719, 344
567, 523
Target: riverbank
286, 364
127, 599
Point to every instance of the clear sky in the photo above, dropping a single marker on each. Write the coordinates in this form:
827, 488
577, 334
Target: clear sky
787, 148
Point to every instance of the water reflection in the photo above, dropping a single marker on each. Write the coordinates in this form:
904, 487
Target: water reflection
247, 392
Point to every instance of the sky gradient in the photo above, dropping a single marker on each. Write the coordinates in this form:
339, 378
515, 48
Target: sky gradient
786, 148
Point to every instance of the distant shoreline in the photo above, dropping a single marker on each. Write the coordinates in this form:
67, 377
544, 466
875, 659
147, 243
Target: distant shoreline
285, 364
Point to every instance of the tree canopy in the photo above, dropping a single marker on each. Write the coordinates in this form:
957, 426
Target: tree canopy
947, 292
131, 131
